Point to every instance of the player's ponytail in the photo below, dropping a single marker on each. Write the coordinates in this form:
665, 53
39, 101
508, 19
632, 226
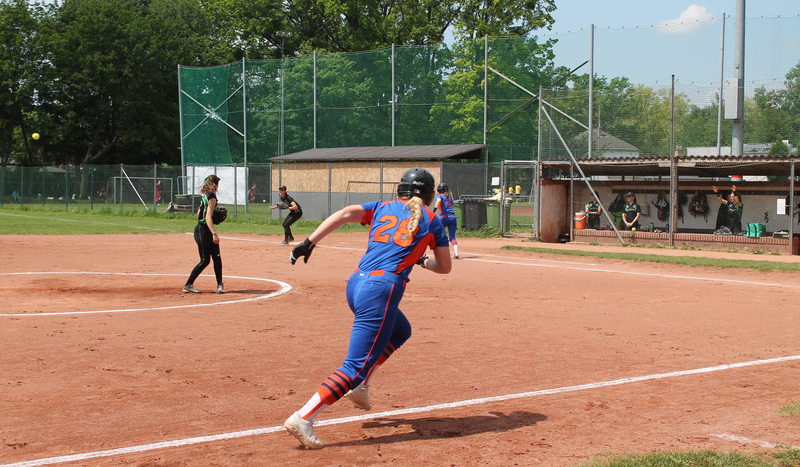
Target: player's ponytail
415, 206
210, 184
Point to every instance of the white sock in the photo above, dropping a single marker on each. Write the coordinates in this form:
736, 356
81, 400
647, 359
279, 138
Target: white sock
313, 407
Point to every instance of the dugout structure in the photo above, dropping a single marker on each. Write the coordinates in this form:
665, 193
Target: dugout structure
695, 217
325, 180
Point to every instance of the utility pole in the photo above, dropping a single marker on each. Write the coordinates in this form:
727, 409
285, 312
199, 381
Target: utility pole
737, 137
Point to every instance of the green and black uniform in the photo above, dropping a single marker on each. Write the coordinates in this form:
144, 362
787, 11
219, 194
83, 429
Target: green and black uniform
291, 218
734, 218
630, 211
205, 244
594, 219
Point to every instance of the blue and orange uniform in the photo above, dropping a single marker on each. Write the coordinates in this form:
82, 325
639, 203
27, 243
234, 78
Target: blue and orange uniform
444, 206
375, 289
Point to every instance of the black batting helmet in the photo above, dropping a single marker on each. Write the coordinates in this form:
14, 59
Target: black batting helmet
442, 187
416, 182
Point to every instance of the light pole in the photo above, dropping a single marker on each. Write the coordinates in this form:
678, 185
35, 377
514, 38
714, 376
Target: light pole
283, 35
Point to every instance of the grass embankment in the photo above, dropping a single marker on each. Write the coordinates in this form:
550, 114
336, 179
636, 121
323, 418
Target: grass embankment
692, 261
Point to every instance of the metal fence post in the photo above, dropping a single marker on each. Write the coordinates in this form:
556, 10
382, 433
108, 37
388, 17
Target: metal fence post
235, 189
66, 188
155, 187
121, 170
791, 207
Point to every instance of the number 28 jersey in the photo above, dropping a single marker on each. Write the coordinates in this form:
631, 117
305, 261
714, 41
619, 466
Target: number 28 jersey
392, 248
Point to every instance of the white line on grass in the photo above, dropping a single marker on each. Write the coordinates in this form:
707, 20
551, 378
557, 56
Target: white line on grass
448, 405
284, 288
742, 439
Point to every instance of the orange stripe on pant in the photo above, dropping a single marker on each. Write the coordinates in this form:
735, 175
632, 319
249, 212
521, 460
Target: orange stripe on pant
334, 387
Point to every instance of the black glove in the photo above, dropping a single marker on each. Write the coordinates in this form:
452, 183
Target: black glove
421, 261
302, 250
282, 206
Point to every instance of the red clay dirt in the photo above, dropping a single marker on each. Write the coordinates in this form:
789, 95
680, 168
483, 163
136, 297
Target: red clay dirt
502, 323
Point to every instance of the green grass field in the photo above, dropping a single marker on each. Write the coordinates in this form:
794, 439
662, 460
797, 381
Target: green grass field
39, 220
691, 261
32, 220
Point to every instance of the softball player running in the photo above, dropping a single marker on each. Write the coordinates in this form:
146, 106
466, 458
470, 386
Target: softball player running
444, 206
206, 236
400, 232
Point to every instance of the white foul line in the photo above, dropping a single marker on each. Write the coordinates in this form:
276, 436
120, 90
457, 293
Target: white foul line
561, 265
337, 421
284, 288
645, 274
742, 439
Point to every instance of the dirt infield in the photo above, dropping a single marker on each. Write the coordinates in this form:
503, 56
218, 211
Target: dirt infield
515, 358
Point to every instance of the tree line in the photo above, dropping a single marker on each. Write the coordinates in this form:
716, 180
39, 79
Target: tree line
97, 79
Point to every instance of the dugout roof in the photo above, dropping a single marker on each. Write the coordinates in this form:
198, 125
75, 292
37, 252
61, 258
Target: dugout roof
386, 153
701, 166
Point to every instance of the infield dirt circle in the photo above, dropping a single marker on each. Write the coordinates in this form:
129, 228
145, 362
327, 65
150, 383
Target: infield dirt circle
506, 366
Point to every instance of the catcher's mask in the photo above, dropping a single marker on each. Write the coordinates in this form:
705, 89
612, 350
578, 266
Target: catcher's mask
417, 182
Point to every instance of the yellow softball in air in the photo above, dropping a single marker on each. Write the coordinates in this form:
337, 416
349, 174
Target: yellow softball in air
35, 136
633, 229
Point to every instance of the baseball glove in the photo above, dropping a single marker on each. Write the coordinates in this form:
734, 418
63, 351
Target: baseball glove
282, 206
302, 250
219, 215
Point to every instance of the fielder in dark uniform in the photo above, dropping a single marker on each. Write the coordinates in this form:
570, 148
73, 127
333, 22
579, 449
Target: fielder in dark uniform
206, 236
295, 213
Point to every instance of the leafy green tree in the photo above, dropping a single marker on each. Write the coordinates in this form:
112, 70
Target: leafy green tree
479, 18
699, 127
767, 116
113, 82
21, 59
792, 103
779, 148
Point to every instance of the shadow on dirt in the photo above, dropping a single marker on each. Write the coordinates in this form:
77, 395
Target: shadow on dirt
445, 427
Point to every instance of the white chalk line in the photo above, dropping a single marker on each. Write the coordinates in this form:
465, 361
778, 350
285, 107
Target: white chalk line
391, 413
758, 442
83, 221
643, 274
345, 248
514, 261
284, 288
